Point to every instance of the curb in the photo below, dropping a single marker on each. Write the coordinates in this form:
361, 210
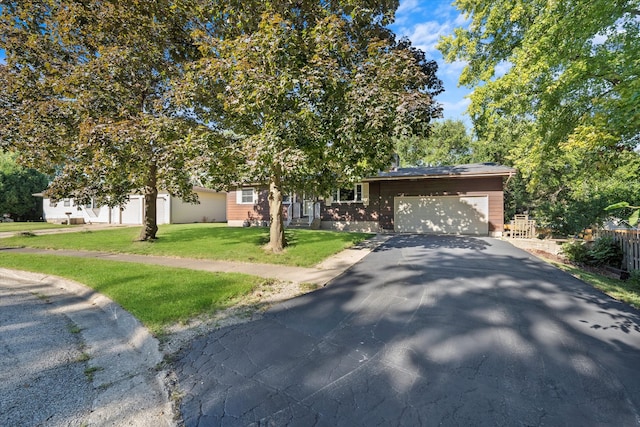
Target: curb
123, 355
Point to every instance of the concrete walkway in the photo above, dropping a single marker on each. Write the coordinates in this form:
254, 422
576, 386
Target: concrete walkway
68, 229
320, 275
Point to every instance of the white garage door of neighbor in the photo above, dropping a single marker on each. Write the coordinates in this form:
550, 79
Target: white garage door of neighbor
132, 213
442, 215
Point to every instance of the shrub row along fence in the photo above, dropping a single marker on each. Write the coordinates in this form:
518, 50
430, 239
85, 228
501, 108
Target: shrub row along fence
629, 241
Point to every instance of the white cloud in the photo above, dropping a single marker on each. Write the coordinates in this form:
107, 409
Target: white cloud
502, 68
456, 110
461, 21
407, 10
426, 35
407, 7
451, 69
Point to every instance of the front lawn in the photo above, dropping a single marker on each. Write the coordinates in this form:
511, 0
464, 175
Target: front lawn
27, 226
210, 241
157, 296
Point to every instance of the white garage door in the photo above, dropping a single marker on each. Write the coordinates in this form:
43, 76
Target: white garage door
132, 213
442, 215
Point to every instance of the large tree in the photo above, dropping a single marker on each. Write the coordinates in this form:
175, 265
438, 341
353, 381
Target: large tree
448, 143
84, 96
570, 78
17, 186
312, 91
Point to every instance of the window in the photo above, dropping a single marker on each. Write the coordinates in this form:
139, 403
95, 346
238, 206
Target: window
246, 196
349, 194
66, 202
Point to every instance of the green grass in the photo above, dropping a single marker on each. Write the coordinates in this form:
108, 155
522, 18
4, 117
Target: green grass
157, 296
209, 241
27, 226
627, 291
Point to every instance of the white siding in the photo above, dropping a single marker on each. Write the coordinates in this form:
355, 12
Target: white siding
212, 208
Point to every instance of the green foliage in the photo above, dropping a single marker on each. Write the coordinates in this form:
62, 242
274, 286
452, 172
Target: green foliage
603, 251
84, 98
312, 92
448, 143
17, 186
633, 218
606, 251
568, 88
576, 251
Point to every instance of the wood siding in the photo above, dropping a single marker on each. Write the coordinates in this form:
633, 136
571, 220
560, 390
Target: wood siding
490, 186
382, 193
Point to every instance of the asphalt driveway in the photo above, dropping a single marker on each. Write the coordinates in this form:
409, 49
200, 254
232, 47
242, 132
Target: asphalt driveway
426, 330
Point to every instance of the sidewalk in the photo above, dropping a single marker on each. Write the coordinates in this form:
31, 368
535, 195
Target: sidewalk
68, 229
320, 275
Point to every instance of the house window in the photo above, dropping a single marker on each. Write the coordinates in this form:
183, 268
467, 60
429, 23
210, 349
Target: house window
246, 196
348, 194
286, 198
67, 202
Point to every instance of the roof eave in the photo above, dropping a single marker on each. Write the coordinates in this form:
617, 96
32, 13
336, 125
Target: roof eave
472, 175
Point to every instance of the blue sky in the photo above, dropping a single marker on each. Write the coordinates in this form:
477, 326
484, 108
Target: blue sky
424, 21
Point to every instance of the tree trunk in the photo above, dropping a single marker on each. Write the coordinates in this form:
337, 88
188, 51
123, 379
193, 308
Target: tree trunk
277, 240
150, 227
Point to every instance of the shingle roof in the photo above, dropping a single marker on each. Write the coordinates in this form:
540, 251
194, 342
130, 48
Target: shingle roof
470, 170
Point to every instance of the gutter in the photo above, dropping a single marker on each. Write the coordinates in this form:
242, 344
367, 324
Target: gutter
415, 177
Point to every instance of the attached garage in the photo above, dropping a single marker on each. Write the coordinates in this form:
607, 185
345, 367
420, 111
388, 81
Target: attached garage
442, 215
461, 199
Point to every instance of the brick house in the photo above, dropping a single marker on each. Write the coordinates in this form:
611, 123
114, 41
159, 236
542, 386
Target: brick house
463, 199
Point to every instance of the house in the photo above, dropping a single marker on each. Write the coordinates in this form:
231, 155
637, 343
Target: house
170, 210
463, 199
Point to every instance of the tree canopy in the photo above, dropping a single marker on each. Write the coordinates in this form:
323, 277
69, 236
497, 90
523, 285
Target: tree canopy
448, 143
17, 186
570, 89
313, 92
84, 98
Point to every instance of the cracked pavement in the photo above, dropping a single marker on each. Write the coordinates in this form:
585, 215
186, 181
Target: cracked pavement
426, 330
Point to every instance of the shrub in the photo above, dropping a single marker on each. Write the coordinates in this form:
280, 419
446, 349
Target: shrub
603, 251
606, 251
576, 251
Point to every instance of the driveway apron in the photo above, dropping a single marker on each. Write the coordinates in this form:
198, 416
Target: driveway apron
426, 330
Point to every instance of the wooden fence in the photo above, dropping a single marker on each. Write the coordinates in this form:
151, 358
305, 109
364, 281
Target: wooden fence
521, 227
629, 241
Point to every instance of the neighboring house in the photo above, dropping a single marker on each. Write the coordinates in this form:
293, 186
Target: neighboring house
463, 199
170, 210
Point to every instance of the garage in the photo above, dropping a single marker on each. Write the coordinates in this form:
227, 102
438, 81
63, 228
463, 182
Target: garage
442, 214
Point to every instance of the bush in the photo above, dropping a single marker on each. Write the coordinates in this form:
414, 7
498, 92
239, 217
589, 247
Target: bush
576, 251
603, 251
606, 251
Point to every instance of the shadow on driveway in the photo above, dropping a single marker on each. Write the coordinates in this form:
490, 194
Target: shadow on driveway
426, 330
